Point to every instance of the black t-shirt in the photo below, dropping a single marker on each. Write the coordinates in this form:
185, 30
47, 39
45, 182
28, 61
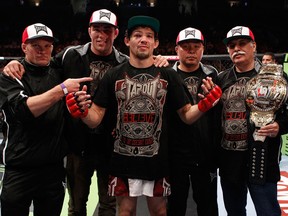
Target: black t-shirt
139, 100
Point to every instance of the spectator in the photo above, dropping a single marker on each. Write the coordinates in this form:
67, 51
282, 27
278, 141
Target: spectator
268, 58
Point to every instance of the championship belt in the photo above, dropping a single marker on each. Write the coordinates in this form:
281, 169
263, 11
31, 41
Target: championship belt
265, 93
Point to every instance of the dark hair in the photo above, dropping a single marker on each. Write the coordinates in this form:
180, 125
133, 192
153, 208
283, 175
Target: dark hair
270, 54
128, 32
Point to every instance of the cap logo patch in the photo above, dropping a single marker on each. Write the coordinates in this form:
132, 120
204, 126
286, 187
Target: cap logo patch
103, 14
189, 32
40, 28
236, 31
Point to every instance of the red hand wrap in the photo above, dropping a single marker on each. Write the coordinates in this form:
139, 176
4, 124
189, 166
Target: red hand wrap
210, 99
73, 107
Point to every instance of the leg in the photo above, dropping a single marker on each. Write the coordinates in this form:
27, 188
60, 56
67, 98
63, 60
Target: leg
16, 193
265, 200
235, 197
107, 204
204, 187
49, 197
157, 206
126, 205
177, 201
78, 184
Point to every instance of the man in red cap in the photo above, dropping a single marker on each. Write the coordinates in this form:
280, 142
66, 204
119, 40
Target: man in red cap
192, 152
35, 146
240, 165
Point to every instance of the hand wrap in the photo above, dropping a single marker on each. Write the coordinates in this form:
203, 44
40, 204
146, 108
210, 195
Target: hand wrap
210, 99
74, 108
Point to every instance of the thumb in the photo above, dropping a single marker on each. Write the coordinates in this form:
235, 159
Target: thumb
84, 88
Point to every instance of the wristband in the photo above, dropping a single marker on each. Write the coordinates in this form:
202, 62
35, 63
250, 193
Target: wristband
65, 90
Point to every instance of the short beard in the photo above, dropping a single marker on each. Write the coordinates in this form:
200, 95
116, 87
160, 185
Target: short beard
142, 55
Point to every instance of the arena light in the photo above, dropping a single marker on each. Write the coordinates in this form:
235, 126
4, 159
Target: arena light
36, 3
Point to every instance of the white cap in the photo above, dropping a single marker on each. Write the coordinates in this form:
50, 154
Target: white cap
190, 34
239, 32
103, 16
36, 30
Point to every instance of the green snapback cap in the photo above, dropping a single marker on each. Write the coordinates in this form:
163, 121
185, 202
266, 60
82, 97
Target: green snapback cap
144, 21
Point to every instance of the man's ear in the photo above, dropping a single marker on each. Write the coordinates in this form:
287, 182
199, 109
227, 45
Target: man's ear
156, 44
116, 33
24, 47
126, 41
254, 46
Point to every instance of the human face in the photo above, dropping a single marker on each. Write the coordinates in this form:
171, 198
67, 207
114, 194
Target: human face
267, 59
190, 53
241, 51
38, 51
102, 37
142, 43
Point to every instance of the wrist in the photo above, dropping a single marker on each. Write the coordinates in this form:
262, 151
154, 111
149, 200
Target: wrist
64, 89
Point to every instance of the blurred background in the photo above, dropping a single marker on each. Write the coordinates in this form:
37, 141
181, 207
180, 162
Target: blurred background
69, 21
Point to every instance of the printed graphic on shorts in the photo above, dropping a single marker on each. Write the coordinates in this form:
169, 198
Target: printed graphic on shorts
140, 103
234, 113
98, 69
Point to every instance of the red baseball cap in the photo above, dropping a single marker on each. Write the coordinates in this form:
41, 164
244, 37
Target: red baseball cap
190, 34
239, 32
103, 16
37, 30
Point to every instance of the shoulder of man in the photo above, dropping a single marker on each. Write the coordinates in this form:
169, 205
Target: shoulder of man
61, 56
120, 57
208, 69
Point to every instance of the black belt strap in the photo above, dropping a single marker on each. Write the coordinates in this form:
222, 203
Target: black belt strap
258, 162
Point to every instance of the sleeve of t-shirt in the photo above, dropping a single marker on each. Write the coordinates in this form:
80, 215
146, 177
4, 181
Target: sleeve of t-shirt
103, 93
177, 91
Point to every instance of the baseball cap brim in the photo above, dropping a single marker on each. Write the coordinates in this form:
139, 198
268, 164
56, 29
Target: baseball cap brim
102, 22
227, 40
44, 37
144, 21
193, 40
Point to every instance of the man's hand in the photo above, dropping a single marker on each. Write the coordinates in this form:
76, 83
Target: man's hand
160, 61
73, 84
78, 103
212, 95
14, 69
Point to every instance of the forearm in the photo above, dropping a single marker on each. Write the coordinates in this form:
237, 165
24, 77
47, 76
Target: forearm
94, 116
41, 103
189, 113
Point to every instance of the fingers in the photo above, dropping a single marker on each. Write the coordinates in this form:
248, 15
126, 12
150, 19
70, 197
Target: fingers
270, 130
160, 61
73, 85
14, 70
84, 88
84, 79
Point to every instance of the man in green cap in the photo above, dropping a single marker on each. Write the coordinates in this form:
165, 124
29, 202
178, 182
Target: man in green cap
138, 94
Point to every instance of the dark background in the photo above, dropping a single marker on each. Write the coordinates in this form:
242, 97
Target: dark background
69, 21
